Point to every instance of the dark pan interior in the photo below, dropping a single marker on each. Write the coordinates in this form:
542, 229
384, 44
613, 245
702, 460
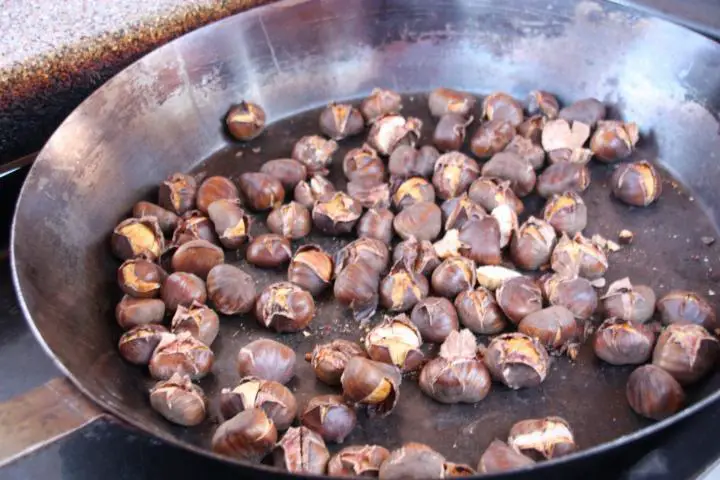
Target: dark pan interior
163, 115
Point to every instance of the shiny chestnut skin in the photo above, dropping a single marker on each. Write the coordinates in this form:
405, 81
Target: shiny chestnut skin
315, 153
411, 191
532, 244
490, 192
363, 162
198, 320
182, 354
578, 256
182, 288
357, 461
395, 341
249, 435
452, 276
442, 101
269, 251
267, 359
301, 451
133, 312
459, 210
435, 318
366, 250
422, 220
291, 220
534, 154
413, 461
512, 167
193, 225
369, 193
179, 401
588, 111
197, 257
376, 223
284, 307
231, 290
457, 374
614, 140
479, 312
519, 297
542, 438
419, 254
340, 120
330, 417
638, 184
215, 188
450, 132
381, 102
531, 128
491, 137
262, 191
336, 215
374, 385
634, 303
499, 457
356, 286
140, 278
328, 360
315, 189
682, 306
501, 106
563, 177
177, 193
272, 397
137, 237
542, 102
454, 172
245, 121
166, 219
138, 344
406, 161
288, 171
311, 268
517, 360
574, 293
654, 393
402, 288
621, 342
686, 351
391, 131
566, 212
554, 327
482, 241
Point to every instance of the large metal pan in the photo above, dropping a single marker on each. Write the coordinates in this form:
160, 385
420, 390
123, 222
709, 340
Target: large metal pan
163, 113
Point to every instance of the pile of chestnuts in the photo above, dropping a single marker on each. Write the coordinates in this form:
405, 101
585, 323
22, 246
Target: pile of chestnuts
438, 237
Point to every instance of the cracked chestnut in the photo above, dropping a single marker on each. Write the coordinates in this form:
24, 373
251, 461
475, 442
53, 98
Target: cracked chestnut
182, 354
336, 215
284, 307
138, 344
166, 219
372, 252
364, 162
269, 251
376, 223
316, 189
542, 438
479, 312
272, 397
501, 106
614, 140
682, 306
179, 401
231, 290
442, 101
459, 210
245, 121
454, 172
193, 225
406, 161
588, 111
197, 257
390, 131
215, 188
512, 167
574, 293
525, 148
374, 385
563, 177
311, 268
517, 360
621, 342
288, 171
177, 193
182, 288
578, 256
555, 327
518, 297
140, 278
395, 341
137, 237
566, 212
419, 254
368, 193
435, 318
413, 461
634, 303
329, 360
198, 320
381, 102
267, 359
533, 244
330, 417
249, 435
301, 450
358, 461
452, 276
686, 351
291, 220
412, 191
262, 191
340, 120
315, 152
638, 184
402, 288
489, 193
491, 137
545, 103
422, 220
450, 132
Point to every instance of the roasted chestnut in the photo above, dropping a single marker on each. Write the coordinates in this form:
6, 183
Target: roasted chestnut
493, 276
362, 163
193, 225
419, 254
182, 288
369, 193
396, 341
517, 360
637, 184
435, 318
138, 344
375, 385
137, 237
534, 154
269, 251
686, 351
458, 374
292, 221
454, 172
289, 171
380, 102
262, 191
311, 268
272, 397
561, 134
177, 193
179, 401
182, 354
452, 276
412, 191
512, 167
231, 290
479, 312
199, 320
518, 297
542, 438
507, 221
501, 106
541, 102
390, 131
588, 111
249, 435
316, 189
336, 215
422, 220
166, 219
450, 245
402, 288
285, 307
450, 132
459, 210
554, 326
654, 393
340, 120
566, 212
621, 342
245, 121
215, 188
578, 256
614, 140
328, 360
376, 223
413, 461
681, 306
357, 461
581, 156
197, 257
456, 470
491, 192
442, 101
405, 161
301, 450
634, 303
315, 153
498, 457
532, 244
329, 416
266, 359
491, 137
133, 312
563, 177
366, 250
574, 293
140, 278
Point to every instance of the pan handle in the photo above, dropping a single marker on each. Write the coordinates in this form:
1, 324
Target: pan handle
41, 416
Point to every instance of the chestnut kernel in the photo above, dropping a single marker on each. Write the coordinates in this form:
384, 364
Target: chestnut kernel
245, 121
518, 297
266, 359
375, 385
133, 312
614, 140
380, 102
329, 360
491, 137
419, 254
479, 312
179, 401
182, 354
363, 163
654, 393
330, 417
357, 461
413, 461
501, 106
621, 342
686, 351
292, 221
315, 153
554, 327
507, 221
452, 276
288, 171
512, 167
442, 101
636, 184
450, 132
422, 220
272, 397
249, 435
311, 268
563, 177
402, 288
137, 237
285, 307
182, 288
138, 344
340, 120
231, 290
199, 320
454, 172
533, 244
588, 111
541, 102
517, 360
166, 219
682, 306
634, 303
390, 131
316, 189
301, 451
566, 212
396, 341
215, 188
177, 193
140, 278
493, 276
197, 257
262, 191
435, 318
269, 251
376, 223
337, 215
542, 438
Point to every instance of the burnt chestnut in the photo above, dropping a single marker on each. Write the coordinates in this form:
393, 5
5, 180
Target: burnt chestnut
179, 401
316, 189
459, 210
532, 244
517, 360
269, 251
512, 167
329, 360
634, 303
301, 451
340, 120
682, 306
499, 457
457, 374
138, 344
231, 290
315, 153
390, 131
422, 220
396, 341
450, 132
560, 134
435, 318
288, 171
686, 351
614, 140
166, 219
330, 417
588, 111
380, 102
133, 312
374, 385
182, 354
182, 288
193, 225
266, 359
137, 237
245, 121
215, 188
272, 397
368, 193
199, 320
140, 278
579, 256
541, 102
518, 297
413, 461
554, 327
357, 461
197, 257
534, 154
501, 106
177, 193
249, 435
491, 137
563, 177
412, 191
363, 162
482, 241
336, 215
454, 172
291, 220
442, 101
419, 254
376, 223
405, 161
402, 288
285, 307
574, 293
262, 191
452, 276
479, 312
489, 193
566, 212
366, 250
621, 342
636, 184
654, 393
542, 438
311, 268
